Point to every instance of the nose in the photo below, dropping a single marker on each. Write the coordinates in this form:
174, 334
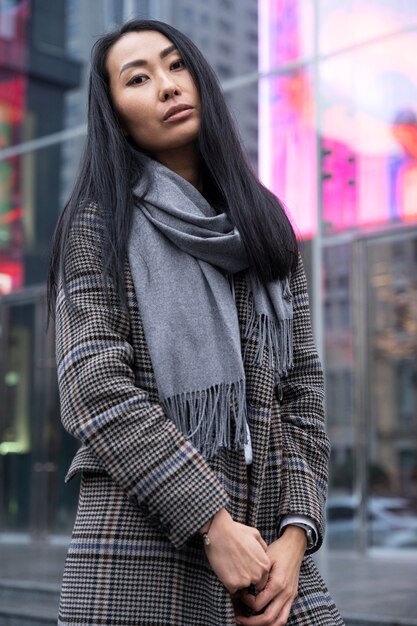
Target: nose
168, 88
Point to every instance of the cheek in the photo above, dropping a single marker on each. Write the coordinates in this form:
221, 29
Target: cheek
194, 91
136, 115
132, 116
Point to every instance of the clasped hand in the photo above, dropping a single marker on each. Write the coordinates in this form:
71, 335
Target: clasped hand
241, 559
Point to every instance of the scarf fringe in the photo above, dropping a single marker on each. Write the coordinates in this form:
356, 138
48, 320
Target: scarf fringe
276, 338
205, 417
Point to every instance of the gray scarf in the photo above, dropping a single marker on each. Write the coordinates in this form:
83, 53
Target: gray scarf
183, 256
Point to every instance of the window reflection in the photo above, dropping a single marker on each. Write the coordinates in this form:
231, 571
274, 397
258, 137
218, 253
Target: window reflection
15, 435
369, 140
339, 377
287, 144
343, 23
35, 452
392, 331
287, 126
286, 31
365, 177
13, 102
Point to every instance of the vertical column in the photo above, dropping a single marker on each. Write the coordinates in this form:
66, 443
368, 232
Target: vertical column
317, 243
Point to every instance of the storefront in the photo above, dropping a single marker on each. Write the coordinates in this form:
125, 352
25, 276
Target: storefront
338, 143
337, 129
35, 74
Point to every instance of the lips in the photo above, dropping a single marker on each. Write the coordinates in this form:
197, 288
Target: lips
176, 109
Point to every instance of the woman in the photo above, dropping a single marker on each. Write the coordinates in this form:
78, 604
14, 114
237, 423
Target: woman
186, 365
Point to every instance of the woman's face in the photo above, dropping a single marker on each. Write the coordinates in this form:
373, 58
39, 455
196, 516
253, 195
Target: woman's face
148, 78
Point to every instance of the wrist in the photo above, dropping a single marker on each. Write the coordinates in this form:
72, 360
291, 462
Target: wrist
296, 535
221, 515
204, 529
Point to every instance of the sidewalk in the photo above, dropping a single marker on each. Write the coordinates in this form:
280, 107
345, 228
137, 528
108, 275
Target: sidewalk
372, 589
377, 591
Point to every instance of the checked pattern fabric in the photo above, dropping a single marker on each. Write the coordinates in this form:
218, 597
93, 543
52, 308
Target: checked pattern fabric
134, 558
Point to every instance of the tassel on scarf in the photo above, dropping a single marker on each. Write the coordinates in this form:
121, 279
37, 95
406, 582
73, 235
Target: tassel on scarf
275, 337
207, 418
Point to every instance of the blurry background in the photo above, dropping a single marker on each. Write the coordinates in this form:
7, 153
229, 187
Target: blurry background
324, 93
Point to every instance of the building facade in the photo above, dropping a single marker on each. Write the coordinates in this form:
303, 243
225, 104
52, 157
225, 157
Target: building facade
338, 143
36, 73
324, 96
226, 31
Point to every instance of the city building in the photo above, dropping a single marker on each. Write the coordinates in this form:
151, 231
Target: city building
44, 92
338, 143
324, 95
226, 31
36, 73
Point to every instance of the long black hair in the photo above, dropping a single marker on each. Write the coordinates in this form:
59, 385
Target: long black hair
110, 164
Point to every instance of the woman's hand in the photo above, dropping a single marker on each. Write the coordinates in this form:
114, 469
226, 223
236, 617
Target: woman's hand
237, 553
281, 589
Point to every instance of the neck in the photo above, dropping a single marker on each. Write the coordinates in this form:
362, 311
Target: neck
185, 163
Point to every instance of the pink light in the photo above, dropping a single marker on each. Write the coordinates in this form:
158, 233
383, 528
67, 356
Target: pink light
408, 186
287, 138
11, 276
368, 120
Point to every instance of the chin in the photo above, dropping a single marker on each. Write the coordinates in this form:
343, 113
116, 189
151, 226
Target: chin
177, 143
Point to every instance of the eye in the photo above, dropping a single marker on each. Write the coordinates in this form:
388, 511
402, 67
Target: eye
179, 64
136, 80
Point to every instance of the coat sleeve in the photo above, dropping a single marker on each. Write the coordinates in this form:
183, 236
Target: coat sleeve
102, 407
306, 446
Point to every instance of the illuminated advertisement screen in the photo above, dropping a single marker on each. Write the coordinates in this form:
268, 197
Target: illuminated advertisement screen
354, 132
287, 136
13, 84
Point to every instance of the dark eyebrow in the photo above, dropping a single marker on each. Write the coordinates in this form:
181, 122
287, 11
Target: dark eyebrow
139, 62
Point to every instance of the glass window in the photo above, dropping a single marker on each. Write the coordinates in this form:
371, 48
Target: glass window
225, 48
342, 521
225, 26
369, 135
35, 452
13, 34
405, 386
252, 36
31, 197
288, 144
13, 86
243, 104
205, 18
35, 71
392, 349
224, 70
286, 32
49, 33
340, 512
340, 380
188, 14
344, 23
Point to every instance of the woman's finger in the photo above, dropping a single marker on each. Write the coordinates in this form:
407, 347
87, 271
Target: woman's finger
260, 600
285, 612
271, 615
260, 586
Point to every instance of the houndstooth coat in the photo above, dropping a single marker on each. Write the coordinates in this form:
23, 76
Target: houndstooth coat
134, 556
